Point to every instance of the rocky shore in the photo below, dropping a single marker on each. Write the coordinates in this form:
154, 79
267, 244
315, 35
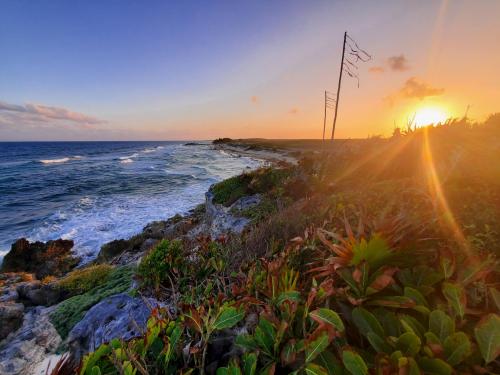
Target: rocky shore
34, 297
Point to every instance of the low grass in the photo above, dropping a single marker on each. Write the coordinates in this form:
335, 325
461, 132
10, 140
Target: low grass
72, 310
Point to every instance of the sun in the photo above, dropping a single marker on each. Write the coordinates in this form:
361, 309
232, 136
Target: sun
430, 115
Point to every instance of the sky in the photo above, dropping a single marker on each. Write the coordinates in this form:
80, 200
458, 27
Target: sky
168, 70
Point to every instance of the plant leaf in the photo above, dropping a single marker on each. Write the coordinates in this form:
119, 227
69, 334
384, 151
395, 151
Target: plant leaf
314, 369
441, 324
328, 316
487, 334
456, 348
409, 344
249, 363
434, 366
228, 317
366, 322
314, 347
455, 295
354, 363
330, 363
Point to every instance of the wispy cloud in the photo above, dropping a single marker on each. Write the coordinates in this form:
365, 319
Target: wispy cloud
376, 69
42, 113
398, 63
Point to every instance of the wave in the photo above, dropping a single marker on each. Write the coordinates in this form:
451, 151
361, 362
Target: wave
126, 161
148, 150
134, 155
60, 160
52, 161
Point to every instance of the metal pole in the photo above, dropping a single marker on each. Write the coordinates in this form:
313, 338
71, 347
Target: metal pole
338, 88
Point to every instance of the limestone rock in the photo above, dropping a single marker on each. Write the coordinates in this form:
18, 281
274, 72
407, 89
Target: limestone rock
11, 318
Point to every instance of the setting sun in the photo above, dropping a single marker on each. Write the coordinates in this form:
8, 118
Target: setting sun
428, 116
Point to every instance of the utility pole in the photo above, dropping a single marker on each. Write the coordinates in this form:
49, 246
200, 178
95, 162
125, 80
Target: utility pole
324, 121
338, 88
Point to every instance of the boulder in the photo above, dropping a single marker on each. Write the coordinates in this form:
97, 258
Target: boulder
118, 316
42, 259
11, 318
36, 293
36, 339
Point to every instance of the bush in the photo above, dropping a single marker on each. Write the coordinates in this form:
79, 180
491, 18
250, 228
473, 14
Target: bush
163, 260
72, 310
85, 279
229, 191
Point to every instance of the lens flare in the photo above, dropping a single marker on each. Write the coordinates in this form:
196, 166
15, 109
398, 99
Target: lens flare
429, 116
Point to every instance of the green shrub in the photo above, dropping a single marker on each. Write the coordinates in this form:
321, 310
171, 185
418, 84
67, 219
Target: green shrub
82, 280
72, 310
229, 191
163, 260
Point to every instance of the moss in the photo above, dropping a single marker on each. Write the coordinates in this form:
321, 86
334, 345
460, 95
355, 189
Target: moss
72, 310
85, 279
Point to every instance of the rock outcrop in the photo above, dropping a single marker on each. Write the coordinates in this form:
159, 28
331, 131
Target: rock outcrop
118, 316
11, 318
52, 258
30, 344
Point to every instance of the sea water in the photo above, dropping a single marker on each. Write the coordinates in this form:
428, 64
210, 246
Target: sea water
95, 192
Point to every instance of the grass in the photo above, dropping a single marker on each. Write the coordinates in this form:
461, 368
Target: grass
72, 310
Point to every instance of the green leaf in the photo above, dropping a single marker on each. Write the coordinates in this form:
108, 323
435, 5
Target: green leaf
374, 252
441, 324
228, 317
246, 341
455, 294
314, 347
330, 363
400, 302
314, 369
366, 322
409, 344
292, 295
487, 334
495, 296
249, 363
91, 359
354, 363
435, 366
457, 347
95, 371
328, 316
410, 324
265, 336
378, 343
415, 295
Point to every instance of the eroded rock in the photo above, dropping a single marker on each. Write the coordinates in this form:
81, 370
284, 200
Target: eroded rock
41, 258
118, 316
11, 318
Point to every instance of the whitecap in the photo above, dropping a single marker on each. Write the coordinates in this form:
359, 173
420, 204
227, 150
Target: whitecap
134, 155
148, 150
126, 161
52, 161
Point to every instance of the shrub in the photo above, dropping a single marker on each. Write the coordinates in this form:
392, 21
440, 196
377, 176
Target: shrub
72, 310
161, 263
82, 280
229, 191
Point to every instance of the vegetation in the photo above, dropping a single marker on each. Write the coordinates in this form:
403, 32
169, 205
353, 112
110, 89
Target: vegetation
82, 280
72, 310
378, 260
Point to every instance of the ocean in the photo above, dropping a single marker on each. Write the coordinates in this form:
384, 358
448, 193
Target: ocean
95, 192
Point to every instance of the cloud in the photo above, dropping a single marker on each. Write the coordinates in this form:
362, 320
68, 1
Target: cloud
293, 111
398, 63
414, 88
43, 113
376, 69
254, 99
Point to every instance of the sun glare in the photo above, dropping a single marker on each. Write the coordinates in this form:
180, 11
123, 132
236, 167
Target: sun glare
428, 116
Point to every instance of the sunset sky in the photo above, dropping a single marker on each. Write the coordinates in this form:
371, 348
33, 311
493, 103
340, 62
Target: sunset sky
133, 70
